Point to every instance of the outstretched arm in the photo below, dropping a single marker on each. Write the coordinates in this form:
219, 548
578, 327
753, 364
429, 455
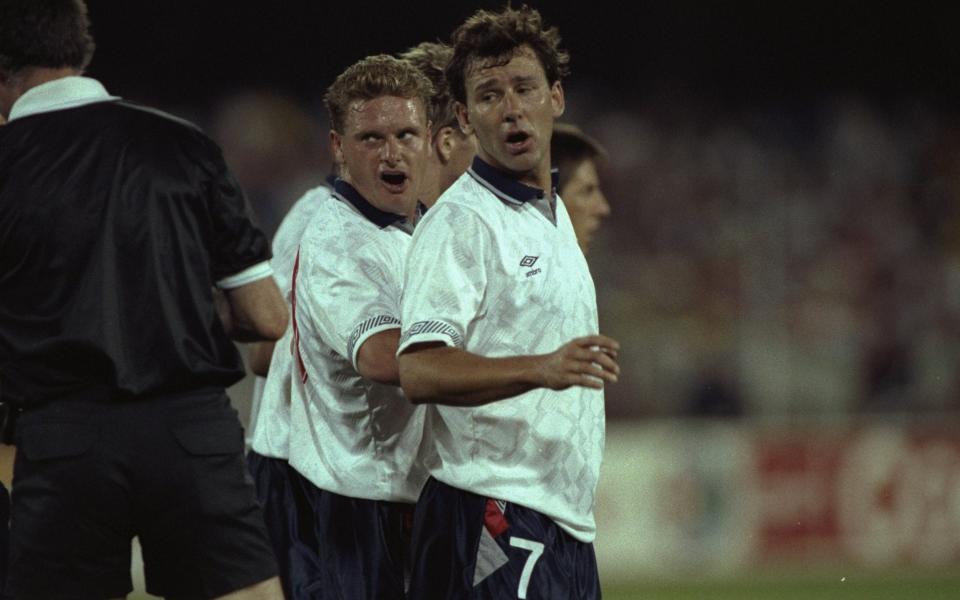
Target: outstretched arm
440, 374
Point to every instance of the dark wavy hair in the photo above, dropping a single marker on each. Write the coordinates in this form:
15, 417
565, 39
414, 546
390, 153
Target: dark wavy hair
44, 33
494, 38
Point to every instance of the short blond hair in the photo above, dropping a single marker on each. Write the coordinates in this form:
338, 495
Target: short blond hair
431, 58
373, 77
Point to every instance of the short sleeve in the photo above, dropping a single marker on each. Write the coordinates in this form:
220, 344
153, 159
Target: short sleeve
237, 246
445, 277
346, 293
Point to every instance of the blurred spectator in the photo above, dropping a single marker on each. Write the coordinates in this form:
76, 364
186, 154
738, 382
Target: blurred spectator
276, 148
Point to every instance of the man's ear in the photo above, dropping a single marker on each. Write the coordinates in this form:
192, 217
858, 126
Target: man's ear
443, 143
336, 148
463, 118
557, 99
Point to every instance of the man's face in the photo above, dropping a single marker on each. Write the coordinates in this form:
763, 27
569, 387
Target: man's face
585, 201
511, 109
383, 151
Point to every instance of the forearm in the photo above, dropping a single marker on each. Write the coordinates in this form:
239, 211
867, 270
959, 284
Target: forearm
256, 312
444, 375
258, 357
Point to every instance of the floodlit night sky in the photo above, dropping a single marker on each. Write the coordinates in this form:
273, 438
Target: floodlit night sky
180, 52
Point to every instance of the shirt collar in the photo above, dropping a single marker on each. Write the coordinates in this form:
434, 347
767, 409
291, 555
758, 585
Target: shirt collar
59, 94
505, 186
378, 217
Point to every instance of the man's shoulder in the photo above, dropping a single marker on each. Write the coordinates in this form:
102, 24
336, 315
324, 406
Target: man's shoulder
465, 200
154, 118
138, 124
336, 228
306, 206
298, 218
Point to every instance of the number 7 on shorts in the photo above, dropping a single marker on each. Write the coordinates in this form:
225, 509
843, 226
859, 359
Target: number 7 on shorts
536, 551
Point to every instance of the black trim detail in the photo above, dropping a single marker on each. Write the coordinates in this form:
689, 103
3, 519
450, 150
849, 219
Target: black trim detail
366, 326
505, 185
376, 216
433, 327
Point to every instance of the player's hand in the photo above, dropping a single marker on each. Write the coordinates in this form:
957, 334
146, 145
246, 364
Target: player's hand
588, 361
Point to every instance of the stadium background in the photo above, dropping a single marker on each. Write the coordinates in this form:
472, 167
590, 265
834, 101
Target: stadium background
782, 266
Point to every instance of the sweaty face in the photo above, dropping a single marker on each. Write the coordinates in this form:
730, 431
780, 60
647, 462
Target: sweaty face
511, 109
383, 151
585, 201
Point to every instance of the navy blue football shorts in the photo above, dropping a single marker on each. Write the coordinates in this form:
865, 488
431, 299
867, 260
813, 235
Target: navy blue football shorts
90, 475
289, 519
350, 548
466, 546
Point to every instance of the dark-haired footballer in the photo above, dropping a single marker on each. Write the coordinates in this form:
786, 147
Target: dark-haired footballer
500, 341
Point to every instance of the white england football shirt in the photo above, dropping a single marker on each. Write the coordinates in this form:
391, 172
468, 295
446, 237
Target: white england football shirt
350, 435
270, 407
496, 271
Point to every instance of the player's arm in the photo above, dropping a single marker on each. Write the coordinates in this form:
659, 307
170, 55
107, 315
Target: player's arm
377, 357
256, 311
441, 374
259, 355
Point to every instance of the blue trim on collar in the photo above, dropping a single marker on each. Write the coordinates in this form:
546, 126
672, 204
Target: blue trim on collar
505, 186
378, 217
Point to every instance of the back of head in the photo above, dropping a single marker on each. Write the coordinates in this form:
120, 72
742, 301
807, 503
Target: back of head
492, 38
570, 146
431, 58
373, 77
43, 33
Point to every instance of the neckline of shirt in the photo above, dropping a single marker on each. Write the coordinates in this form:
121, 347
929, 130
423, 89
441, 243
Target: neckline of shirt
382, 219
505, 186
59, 94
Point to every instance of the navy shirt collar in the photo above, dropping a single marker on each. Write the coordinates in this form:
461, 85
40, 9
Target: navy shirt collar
505, 186
378, 217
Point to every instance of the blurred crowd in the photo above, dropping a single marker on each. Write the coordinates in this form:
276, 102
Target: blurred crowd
785, 260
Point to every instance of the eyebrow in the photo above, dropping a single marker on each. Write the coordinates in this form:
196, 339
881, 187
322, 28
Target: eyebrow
493, 82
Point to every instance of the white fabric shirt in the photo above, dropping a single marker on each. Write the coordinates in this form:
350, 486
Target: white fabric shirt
270, 407
494, 272
350, 435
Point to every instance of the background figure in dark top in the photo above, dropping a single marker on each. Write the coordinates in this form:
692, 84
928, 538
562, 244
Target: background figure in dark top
116, 223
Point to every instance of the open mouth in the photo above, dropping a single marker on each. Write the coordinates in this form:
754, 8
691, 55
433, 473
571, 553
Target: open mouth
394, 180
518, 141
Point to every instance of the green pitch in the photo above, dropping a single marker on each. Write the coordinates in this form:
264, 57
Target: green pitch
798, 587
941, 586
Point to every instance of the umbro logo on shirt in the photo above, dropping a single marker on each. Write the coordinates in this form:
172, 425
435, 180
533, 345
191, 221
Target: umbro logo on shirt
529, 261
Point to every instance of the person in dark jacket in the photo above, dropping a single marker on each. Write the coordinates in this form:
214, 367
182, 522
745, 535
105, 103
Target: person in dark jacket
120, 227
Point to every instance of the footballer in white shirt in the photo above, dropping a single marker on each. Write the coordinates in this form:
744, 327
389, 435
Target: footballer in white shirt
354, 438
269, 429
501, 341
